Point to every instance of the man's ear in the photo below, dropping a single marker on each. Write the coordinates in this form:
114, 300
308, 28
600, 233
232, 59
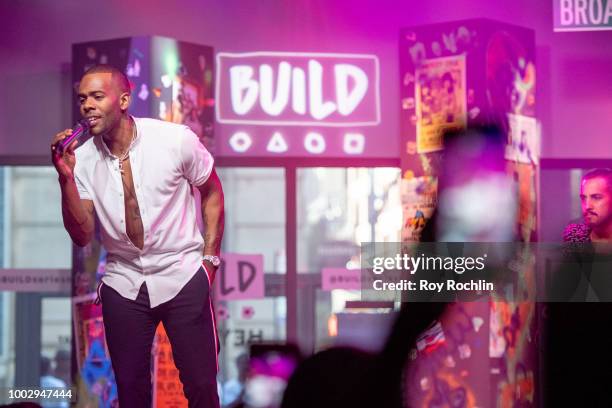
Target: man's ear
124, 101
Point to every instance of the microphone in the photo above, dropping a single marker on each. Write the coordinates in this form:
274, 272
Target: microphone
79, 132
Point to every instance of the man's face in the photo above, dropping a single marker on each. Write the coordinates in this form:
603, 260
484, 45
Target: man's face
596, 201
101, 102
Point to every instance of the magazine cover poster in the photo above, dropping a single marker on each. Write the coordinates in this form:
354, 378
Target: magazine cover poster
440, 100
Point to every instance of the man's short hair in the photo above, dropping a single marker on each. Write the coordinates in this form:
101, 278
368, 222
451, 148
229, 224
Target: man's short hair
117, 75
604, 173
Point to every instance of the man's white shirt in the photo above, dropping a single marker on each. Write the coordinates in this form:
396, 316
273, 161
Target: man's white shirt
166, 160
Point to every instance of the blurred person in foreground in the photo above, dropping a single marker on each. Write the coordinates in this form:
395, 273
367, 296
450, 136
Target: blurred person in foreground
477, 204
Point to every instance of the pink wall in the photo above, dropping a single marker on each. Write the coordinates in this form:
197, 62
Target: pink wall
574, 75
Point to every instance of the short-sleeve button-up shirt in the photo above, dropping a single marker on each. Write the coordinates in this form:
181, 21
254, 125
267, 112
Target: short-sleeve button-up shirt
166, 160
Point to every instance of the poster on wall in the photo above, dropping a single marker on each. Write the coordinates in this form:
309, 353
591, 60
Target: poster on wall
523, 144
419, 196
511, 327
96, 380
510, 78
526, 178
447, 370
440, 100
187, 104
167, 387
171, 80
182, 81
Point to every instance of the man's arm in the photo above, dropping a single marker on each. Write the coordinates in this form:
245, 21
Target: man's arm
213, 216
78, 214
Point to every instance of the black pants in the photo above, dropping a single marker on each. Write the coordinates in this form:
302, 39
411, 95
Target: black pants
189, 322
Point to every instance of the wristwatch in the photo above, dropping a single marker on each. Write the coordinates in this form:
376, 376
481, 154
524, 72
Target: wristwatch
215, 260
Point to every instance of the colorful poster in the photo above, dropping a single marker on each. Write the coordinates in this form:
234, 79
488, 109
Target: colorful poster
419, 197
440, 100
88, 325
523, 139
512, 355
167, 387
187, 103
526, 177
96, 380
431, 339
510, 77
181, 83
447, 368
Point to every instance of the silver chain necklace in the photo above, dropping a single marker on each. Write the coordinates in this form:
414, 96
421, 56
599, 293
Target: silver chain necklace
127, 152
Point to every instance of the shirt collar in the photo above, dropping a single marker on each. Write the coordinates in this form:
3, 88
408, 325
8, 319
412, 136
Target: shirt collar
102, 144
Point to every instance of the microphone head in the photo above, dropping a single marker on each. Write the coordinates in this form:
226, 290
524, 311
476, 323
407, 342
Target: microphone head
84, 123
79, 132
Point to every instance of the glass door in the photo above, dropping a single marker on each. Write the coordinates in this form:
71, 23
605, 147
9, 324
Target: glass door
337, 210
254, 238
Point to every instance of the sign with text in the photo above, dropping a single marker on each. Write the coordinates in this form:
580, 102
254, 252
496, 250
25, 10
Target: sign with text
296, 104
298, 89
240, 276
167, 386
340, 278
582, 15
36, 280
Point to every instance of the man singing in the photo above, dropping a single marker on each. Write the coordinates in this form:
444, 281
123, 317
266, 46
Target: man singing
137, 176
